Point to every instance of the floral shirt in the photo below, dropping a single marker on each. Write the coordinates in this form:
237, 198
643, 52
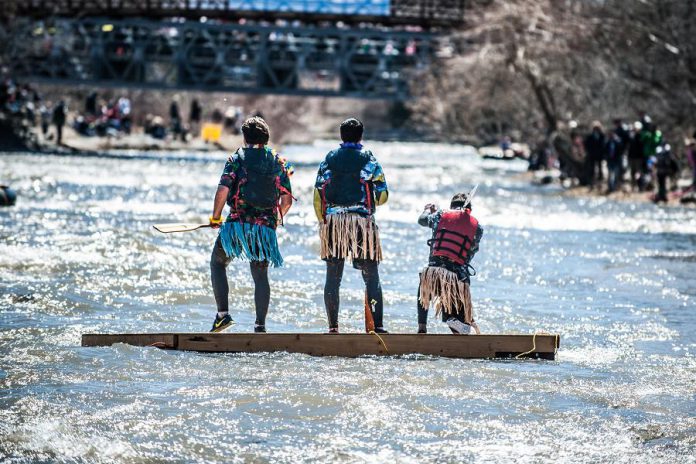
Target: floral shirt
372, 172
234, 177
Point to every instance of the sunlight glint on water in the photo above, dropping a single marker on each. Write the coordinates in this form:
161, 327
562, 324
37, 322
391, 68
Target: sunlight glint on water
78, 254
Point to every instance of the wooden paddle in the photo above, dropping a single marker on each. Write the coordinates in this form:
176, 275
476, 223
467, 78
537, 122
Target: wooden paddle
169, 228
369, 321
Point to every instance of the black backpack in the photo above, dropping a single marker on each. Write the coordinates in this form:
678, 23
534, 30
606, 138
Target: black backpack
260, 188
345, 186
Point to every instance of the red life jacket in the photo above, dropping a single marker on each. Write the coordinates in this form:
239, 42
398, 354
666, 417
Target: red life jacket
454, 236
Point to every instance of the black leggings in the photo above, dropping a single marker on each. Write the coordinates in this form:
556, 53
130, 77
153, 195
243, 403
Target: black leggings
370, 275
218, 275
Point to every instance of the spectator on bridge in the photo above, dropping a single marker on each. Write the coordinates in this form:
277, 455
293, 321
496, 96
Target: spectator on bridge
59, 116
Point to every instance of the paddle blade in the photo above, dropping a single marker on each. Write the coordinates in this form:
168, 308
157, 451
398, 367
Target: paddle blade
369, 321
169, 228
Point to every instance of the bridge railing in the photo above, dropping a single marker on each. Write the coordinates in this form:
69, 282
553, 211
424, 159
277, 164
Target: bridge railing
427, 13
368, 63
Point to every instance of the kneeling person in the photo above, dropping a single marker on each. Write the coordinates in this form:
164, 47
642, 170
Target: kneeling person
255, 183
445, 282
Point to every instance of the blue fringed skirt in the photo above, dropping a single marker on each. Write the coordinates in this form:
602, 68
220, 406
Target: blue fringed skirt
250, 242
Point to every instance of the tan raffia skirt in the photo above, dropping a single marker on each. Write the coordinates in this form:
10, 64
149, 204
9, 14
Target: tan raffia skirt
444, 289
350, 236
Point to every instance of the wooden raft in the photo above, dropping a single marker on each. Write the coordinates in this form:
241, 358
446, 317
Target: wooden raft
345, 345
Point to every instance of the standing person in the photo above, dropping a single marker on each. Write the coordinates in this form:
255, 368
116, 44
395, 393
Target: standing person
45, 115
59, 115
665, 166
595, 143
691, 158
255, 184
651, 138
195, 115
445, 281
175, 120
350, 184
636, 160
614, 155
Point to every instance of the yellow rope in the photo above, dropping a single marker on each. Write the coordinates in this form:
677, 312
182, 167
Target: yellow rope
372, 332
530, 351
556, 339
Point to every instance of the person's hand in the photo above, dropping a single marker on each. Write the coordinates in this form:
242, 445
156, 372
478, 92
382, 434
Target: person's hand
215, 223
431, 207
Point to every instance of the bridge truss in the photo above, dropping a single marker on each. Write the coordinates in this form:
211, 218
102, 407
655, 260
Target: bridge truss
305, 59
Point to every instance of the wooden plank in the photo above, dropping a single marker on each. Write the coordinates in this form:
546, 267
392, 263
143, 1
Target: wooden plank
159, 340
346, 345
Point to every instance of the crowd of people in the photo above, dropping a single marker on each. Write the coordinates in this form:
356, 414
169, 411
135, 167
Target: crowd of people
23, 107
637, 156
30, 116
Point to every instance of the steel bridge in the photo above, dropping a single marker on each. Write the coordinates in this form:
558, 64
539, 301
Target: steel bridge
318, 50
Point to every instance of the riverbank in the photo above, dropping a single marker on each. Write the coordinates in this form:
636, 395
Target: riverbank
624, 194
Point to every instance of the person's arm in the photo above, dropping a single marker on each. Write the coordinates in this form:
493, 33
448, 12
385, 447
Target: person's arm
425, 219
323, 175
285, 204
477, 240
218, 205
285, 187
227, 181
318, 205
379, 183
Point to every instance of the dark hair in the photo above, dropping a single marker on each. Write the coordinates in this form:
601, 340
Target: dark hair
459, 200
255, 131
351, 130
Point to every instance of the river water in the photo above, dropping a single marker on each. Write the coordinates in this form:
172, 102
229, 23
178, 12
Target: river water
78, 254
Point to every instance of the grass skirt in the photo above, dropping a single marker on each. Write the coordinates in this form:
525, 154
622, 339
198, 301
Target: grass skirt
250, 242
444, 289
350, 235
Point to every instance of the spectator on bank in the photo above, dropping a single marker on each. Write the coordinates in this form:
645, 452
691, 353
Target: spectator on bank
636, 158
691, 158
614, 156
91, 105
195, 113
175, 121
124, 111
59, 116
651, 137
595, 144
45, 116
665, 166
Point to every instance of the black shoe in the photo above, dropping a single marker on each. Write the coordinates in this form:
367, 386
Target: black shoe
381, 330
221, 323
259, 329
422, 331
333, 330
